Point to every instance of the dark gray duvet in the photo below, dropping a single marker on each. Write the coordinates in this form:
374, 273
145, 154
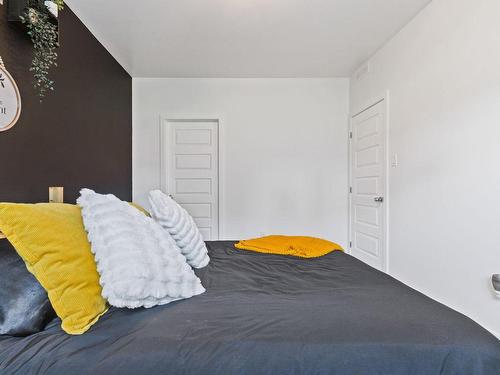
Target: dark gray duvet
269, 314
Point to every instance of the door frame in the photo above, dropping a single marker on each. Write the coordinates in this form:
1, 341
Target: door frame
382, 98
164, 144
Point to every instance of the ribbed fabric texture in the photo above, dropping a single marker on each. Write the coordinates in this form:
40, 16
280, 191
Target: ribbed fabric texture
51, 239
181, 226
138, 262
299, 246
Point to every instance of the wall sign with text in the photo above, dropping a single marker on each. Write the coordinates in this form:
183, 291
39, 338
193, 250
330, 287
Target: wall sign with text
10, 100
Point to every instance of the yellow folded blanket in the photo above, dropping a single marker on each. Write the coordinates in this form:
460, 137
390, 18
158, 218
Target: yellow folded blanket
305, 247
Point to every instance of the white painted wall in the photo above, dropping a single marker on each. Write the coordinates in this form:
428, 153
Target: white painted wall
443, 73
284, 148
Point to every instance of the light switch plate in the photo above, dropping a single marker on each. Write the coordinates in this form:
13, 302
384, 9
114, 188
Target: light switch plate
395, 160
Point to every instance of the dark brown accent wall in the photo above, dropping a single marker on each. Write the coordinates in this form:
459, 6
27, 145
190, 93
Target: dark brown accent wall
81, 135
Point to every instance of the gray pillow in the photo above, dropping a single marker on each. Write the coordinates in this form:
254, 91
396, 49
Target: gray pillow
24, 306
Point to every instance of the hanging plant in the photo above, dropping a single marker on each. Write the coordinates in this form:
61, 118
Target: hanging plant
44, 36
59, 3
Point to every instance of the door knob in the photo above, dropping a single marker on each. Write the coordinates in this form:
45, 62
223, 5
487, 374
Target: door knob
378, 199
495, 279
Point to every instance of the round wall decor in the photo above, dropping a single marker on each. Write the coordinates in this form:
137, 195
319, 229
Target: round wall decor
10, 100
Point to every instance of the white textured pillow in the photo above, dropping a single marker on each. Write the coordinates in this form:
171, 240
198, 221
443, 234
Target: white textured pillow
181, 226
139, 263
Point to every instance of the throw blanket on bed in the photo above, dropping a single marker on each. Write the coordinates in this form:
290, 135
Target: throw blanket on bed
299, 246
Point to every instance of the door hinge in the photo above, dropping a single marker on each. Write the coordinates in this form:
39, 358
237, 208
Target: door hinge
350, 189
350, 244
350, 135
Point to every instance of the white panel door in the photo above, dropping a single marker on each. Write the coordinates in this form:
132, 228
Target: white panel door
191, 159
368, 186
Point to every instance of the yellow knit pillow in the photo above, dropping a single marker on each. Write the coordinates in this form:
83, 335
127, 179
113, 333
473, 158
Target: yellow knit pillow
51, 239
299, 246
140, 208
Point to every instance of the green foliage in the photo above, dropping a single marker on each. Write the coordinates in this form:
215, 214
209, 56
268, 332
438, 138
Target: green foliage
44, 37
59, 3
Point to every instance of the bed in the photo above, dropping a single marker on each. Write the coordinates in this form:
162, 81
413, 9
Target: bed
270, 314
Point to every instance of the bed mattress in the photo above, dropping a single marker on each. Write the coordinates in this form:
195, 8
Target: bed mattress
270, 314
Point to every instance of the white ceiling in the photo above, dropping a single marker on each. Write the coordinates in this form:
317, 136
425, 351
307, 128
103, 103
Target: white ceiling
244, 38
